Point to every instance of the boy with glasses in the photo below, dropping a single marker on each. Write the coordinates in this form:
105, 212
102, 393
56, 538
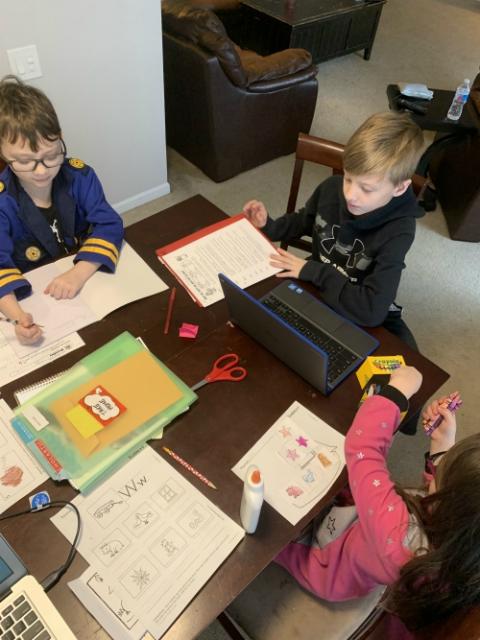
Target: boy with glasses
50, 205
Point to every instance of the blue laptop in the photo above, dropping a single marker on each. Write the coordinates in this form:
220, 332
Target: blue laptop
303, 332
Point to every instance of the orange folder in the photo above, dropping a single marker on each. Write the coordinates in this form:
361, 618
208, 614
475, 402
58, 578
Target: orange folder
139, 383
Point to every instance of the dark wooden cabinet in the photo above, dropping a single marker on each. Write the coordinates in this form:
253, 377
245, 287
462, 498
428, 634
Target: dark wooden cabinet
326, 28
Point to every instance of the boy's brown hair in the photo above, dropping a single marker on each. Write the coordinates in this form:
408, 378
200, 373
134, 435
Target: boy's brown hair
387, 144
26, 113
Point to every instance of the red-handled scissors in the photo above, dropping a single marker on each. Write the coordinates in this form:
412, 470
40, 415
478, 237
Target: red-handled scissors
223, 369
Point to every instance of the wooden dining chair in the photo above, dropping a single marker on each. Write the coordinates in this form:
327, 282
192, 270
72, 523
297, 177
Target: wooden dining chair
328, 154
275, 607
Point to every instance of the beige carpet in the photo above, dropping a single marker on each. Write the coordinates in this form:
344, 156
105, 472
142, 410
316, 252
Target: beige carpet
429, 41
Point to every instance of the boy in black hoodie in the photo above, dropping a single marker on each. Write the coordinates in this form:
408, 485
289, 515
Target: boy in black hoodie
362, 225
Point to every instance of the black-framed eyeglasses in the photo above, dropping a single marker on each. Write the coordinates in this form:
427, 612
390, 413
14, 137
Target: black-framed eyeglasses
51, 160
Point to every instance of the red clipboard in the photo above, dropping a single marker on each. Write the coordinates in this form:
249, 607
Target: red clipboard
201, 233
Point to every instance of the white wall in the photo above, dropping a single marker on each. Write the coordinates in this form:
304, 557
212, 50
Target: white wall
102, 68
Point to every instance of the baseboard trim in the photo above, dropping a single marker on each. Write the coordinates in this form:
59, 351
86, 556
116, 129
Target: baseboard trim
142, 198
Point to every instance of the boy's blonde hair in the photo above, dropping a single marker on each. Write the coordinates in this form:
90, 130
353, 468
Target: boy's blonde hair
26, 114
387, 144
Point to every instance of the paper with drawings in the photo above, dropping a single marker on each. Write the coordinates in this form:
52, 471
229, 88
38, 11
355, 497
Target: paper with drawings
101, 294
237, 250
15, 366
110, 610
300, 457
19, 472
153, 536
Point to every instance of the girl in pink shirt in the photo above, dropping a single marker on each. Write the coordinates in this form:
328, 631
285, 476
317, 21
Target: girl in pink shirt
424, 545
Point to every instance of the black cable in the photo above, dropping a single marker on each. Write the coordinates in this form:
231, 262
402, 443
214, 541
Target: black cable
53, 577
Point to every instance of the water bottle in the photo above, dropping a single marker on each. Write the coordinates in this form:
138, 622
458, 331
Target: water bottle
461, 96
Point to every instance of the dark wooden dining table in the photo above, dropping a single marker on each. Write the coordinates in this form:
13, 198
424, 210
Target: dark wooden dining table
213, 435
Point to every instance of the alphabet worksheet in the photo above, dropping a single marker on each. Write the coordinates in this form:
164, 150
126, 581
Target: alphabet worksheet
154, 538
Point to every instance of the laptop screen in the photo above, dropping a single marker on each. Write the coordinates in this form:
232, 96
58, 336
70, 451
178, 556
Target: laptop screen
11, 567
5, 570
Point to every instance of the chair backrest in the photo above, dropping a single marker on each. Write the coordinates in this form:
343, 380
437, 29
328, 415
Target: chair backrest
329, 154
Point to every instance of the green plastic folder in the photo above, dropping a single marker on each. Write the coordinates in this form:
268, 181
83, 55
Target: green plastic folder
86, 424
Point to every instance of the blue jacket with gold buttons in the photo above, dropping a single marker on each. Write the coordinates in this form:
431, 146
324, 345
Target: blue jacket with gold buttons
89, 225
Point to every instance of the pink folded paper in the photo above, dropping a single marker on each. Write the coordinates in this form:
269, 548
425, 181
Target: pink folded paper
188, 330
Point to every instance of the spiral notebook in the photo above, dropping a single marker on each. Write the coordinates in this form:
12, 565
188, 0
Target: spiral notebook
24, 394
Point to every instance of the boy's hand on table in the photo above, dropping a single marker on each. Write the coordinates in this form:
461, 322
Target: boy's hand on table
290, 263
68, 284
26, 330
256, 213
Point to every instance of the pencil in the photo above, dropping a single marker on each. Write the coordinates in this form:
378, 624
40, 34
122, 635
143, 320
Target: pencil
171, 302
16, 322
189, 467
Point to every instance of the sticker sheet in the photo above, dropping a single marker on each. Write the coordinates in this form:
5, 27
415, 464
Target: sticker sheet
19, 472
153, 536
300, 457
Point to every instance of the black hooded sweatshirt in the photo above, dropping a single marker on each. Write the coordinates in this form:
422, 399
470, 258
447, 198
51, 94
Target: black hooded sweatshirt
356, 261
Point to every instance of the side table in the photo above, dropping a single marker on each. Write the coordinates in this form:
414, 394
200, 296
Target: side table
452, 161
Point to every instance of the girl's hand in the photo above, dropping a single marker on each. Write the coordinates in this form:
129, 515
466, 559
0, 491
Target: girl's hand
256, 213
446, 430
407, 380
26, 330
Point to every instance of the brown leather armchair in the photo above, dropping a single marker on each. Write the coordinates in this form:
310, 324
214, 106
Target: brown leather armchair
229, 110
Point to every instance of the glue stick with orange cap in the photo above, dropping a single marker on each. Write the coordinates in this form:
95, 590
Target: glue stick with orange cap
252, 499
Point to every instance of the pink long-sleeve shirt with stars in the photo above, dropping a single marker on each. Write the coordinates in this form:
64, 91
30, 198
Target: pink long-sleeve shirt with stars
371, 551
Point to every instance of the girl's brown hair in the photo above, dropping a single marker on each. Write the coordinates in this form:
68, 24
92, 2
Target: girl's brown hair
26, 114
446, 577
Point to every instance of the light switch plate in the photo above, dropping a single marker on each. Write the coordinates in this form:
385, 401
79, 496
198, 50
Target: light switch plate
24, 62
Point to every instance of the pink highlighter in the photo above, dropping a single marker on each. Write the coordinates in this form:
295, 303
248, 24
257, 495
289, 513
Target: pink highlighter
451, 402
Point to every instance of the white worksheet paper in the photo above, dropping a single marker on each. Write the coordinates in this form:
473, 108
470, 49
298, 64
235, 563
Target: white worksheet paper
113, 613
20, 474
152, 536
300, 457
15, 366
101, 294
237, 250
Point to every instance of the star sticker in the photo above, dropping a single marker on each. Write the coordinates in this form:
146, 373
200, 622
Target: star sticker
376, 483
302, 442
292, 454
360, 455
384, 425
331, 525
359, 432
285, 431
390, 507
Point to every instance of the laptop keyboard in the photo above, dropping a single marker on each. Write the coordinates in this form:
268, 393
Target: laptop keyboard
339, 358
19, 620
